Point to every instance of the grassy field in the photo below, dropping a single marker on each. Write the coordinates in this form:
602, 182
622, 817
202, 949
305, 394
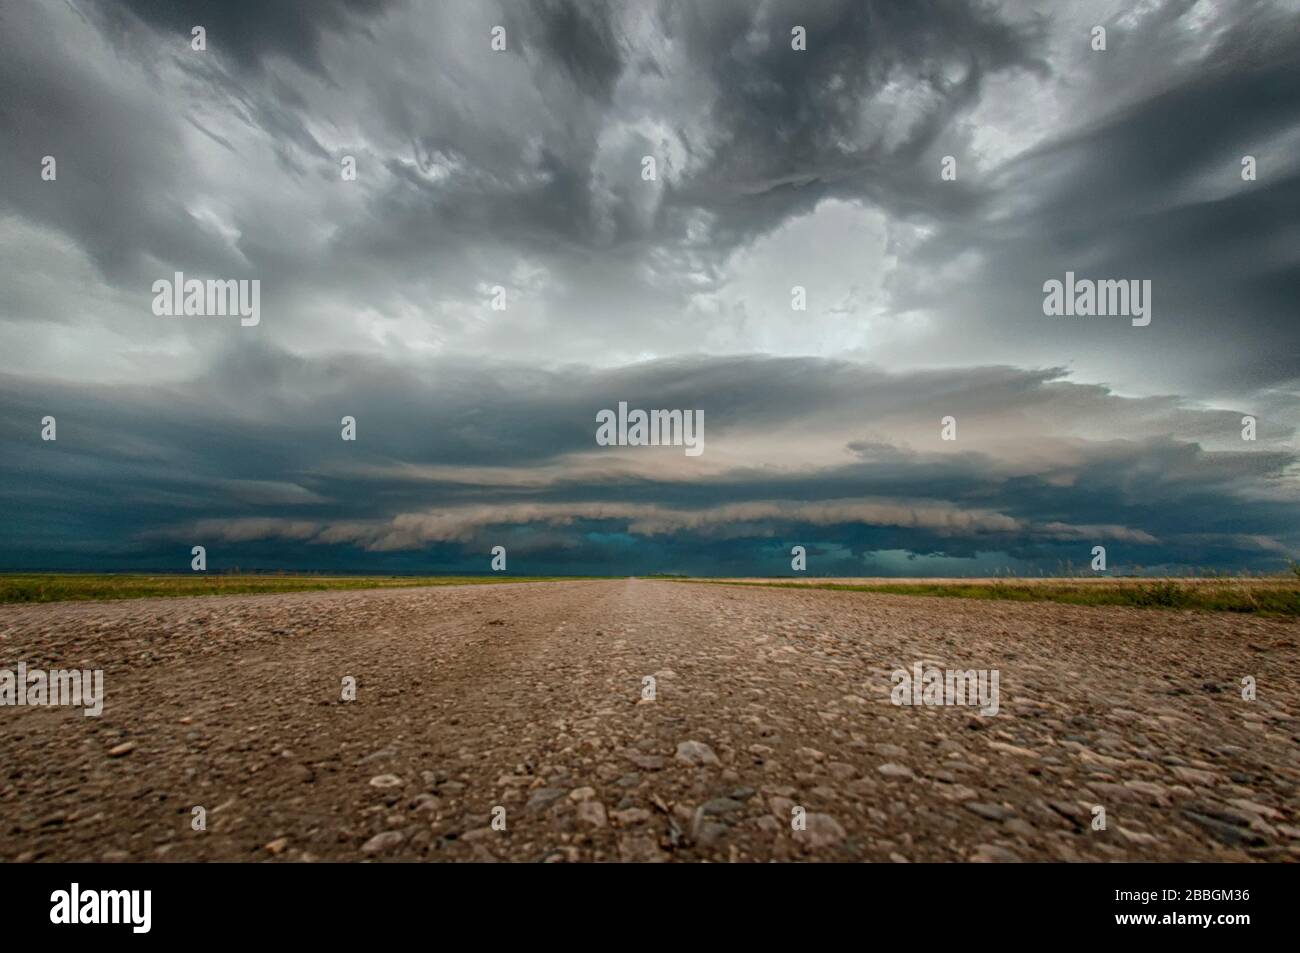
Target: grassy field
63, 587
1271, 596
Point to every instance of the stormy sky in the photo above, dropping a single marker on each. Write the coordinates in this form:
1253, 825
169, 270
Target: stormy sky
518, 177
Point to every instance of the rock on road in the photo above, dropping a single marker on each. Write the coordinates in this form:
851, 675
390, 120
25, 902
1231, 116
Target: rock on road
528, 698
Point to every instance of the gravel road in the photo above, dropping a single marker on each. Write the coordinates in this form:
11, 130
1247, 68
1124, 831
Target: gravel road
523, 703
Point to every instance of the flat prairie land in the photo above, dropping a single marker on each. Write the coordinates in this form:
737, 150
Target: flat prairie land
1265, 595
63, 587
772, 733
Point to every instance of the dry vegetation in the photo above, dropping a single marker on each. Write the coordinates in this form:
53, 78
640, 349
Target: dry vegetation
1265, 595
66, 587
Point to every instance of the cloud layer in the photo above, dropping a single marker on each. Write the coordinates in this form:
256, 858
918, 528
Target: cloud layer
522, 170
844, 458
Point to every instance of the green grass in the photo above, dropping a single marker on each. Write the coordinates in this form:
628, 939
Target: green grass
65, 587
1269, 597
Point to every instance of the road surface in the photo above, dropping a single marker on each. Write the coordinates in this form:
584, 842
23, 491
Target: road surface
523, 705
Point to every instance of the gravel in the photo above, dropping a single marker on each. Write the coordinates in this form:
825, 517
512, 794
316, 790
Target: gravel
524, 702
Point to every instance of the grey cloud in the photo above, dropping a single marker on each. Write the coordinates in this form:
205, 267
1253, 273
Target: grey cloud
1144, 191
1033, 474
523, 169
583, 38
249, 32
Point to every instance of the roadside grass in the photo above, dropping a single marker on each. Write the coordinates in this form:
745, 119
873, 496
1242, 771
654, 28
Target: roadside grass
73, 587
1277, 596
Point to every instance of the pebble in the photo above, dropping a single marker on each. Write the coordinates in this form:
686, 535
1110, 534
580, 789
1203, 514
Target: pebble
991, 812
383, 842
821, 831
720, 805
543, 798
647, 762
696, 753
993, 854
591, 813
1193, 775
630, 816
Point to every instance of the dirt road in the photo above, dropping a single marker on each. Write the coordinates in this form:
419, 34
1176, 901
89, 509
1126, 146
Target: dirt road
770, 705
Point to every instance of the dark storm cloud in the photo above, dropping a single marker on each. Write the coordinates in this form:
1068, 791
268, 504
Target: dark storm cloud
249, 461
582, 37
114, 195
777, 131
250, 32
1154, 190
791, 131
780, 130
523, 169
773, 143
